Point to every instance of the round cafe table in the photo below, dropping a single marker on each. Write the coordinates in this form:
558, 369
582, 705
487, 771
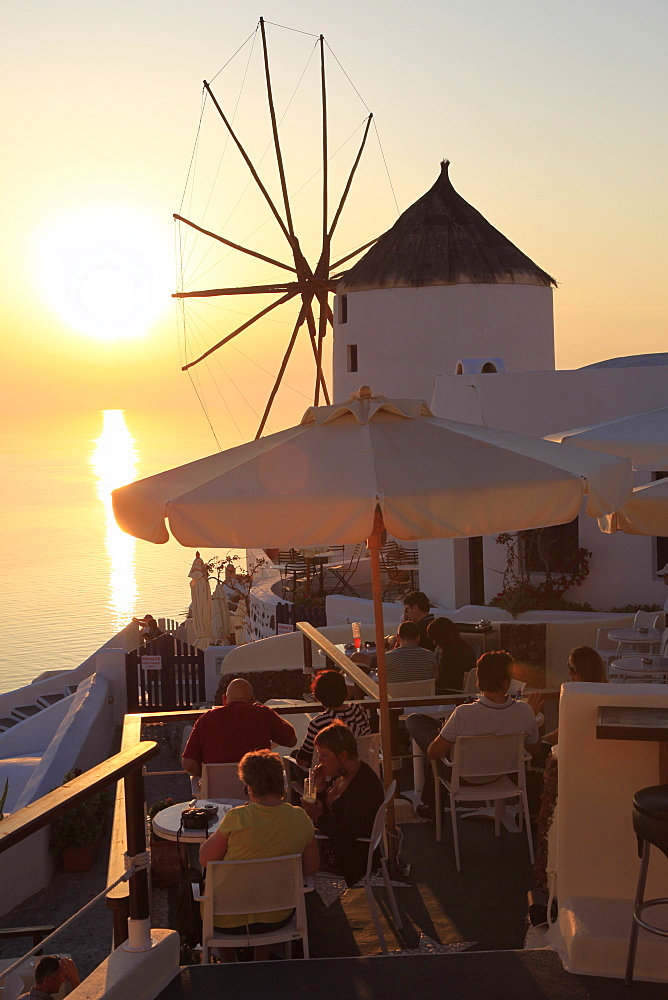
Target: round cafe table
630, 668
635, 636
167, 822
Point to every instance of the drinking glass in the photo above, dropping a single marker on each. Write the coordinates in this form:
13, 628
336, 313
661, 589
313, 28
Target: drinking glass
310, 795
357, 635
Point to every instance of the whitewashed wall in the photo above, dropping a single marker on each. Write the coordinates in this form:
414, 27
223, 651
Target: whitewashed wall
406, 337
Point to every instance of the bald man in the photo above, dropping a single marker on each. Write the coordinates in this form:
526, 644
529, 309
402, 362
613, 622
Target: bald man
223, 735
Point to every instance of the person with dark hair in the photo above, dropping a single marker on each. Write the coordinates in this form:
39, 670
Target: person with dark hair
494, 713
584, 664
416, 609
223, 735
150, 629
50, 974
349, 796
266, 827
454, 656
408, 661
329, 688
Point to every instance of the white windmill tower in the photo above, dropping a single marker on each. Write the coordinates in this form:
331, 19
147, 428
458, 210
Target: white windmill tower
442, 292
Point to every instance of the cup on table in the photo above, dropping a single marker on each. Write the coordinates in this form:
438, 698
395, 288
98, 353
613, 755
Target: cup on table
357, 635
310, 794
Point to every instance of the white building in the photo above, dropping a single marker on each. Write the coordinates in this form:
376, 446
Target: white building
445, 308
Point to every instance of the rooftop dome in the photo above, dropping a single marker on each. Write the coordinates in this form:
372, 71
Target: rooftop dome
632, 361
442, 240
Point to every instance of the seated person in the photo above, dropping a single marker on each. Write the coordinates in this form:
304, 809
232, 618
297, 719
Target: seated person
150, 628
329, 688
50, 974
408, 662
233, 588
584, 664
493, 714
349, 796
416, 609
454, 656
224, 734
266, 827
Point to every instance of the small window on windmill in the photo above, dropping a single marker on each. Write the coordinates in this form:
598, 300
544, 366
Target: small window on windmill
343, 311
352, 357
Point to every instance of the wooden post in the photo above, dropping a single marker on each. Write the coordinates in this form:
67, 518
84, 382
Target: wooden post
135, 824
308, 654
373, 544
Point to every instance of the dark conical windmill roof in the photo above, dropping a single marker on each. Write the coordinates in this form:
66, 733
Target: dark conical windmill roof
442, 240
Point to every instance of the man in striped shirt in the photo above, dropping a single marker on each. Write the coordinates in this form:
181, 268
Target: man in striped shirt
330, 689
408, 662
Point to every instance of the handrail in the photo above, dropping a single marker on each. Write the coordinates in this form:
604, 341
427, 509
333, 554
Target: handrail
361, 679
43, 811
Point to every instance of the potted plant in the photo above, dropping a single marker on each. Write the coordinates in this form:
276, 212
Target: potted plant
168, 859
78, 833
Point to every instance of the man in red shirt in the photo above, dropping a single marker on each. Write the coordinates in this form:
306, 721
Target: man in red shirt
223, 735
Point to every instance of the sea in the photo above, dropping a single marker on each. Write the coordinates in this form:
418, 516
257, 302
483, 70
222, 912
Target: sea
71, 578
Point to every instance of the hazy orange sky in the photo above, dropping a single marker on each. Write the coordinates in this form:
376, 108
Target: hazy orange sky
553, 117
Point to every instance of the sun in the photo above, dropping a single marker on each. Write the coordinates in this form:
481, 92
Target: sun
106, 269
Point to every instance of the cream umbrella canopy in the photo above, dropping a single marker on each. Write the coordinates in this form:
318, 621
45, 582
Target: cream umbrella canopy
351, 470
645, 513
641, 437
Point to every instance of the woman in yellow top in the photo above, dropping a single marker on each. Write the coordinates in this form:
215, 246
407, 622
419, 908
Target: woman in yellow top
266, 827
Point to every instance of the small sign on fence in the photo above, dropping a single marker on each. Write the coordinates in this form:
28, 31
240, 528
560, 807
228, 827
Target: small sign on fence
283, 627
151, 663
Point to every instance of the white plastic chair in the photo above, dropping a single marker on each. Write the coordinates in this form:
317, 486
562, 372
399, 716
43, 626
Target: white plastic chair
470, 685
258, 886
221, 781
412, 689
377, 837
368, 750
493, 757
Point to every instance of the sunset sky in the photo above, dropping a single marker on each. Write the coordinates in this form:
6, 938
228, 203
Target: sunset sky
553, 117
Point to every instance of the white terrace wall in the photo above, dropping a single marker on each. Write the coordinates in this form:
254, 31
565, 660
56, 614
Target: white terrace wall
82, 739
623, 567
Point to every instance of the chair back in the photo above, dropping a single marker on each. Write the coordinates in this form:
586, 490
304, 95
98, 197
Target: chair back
257, 886
663, 645
412, 689
488, 756
368, 750
470, 685
221, 781
378, 828
644, 619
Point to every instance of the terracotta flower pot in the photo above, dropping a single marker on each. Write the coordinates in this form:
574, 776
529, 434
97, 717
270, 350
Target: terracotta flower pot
80, 859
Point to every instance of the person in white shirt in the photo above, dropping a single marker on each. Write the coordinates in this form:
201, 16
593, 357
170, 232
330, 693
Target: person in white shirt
493, 714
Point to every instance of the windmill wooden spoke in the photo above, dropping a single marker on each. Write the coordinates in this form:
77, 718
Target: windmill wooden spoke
322, 330
249, 164
239, 329
348, 256
290, 286
323, 89
350, 178
300, 319
274, 129
313, 336
235, 246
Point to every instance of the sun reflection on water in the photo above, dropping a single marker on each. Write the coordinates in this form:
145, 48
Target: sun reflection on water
114, 463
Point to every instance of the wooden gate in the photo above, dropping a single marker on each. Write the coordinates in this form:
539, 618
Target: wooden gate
164, 674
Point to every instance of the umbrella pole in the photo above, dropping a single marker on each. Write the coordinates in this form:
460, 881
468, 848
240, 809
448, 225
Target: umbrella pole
373, 545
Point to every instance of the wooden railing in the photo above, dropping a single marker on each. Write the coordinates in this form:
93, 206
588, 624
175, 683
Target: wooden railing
128, 765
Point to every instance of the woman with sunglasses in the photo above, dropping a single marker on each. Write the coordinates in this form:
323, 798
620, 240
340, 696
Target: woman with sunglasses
266, 827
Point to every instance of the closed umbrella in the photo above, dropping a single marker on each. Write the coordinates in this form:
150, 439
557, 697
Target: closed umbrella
200, 600
352, 470
220, 616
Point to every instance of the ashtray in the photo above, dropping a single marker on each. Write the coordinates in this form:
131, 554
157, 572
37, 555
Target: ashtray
209, 807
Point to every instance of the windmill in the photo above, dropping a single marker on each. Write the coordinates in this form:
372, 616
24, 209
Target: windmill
310, 285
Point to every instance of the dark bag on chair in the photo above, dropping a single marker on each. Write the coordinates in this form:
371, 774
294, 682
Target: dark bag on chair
188, 916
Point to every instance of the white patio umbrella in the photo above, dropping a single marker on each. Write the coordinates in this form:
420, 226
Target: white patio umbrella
640, 437
220, 614
200, 599
645, 513
351, 470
